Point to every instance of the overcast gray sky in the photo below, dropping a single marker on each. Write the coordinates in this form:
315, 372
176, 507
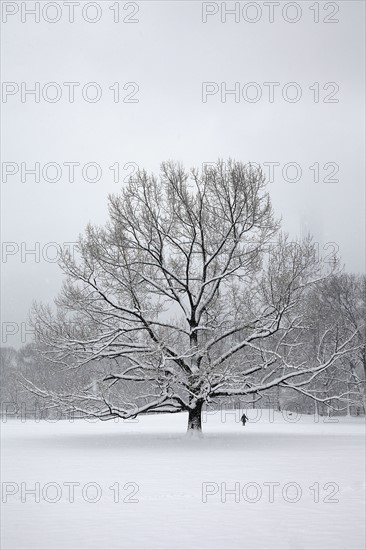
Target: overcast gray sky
168, 53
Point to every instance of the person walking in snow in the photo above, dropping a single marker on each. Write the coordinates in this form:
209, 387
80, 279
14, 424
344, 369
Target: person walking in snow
244, 418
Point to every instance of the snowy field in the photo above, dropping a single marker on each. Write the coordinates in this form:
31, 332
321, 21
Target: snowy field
143, 484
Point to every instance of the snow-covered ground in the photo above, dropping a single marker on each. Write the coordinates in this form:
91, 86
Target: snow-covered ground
144, 485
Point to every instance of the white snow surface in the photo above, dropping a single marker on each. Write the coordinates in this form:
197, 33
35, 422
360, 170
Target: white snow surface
168, 472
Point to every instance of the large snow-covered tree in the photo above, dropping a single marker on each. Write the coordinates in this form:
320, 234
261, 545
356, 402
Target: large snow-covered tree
189, 293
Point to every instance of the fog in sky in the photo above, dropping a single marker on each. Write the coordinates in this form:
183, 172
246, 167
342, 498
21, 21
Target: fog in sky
166, 55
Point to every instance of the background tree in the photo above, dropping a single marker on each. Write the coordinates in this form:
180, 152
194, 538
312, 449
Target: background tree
189, 292
337, 305
28, 364
8, 387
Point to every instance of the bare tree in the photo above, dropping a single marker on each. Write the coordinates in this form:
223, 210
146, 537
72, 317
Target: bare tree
8, 390
190, 292
338, 304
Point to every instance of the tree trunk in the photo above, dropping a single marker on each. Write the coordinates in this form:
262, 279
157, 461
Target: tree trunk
194, 418
349, 409
278, 398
